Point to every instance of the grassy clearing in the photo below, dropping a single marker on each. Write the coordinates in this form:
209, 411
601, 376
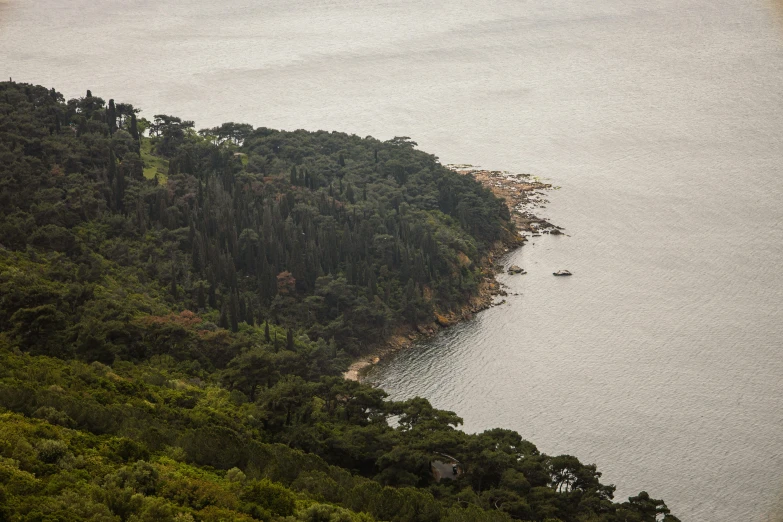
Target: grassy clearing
153, 164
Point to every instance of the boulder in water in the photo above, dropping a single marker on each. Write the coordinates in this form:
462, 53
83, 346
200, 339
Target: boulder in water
514, 269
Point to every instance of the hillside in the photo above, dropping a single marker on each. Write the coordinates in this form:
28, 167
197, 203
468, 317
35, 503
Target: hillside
177, 307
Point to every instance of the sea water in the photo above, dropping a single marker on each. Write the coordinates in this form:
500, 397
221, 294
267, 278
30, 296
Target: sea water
662, 124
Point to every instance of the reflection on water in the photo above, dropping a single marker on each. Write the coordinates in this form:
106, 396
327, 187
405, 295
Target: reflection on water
659, 360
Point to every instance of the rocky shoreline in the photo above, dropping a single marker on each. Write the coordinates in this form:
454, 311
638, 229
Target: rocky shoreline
522, 193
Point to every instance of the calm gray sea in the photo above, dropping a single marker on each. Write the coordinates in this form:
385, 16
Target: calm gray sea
660, 359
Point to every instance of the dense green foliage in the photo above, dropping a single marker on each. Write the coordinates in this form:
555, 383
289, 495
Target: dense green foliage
176, 309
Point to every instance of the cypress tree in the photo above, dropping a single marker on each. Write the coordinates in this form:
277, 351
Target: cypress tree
266, 331
212, 297
111, 115
234, 312
134, 127
112, 171
195, 258
250, 317
201, 298
119, 189
242, 310
223, 322
289, 340
372, 288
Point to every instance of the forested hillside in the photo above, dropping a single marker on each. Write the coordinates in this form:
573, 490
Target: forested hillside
177, 307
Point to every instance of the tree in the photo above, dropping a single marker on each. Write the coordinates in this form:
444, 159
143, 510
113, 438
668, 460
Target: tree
643, 508
111, 117
270, 497
249, 370
95, 338
223, 322
171, 130
289, 337
134, 127
234, 312
234, 133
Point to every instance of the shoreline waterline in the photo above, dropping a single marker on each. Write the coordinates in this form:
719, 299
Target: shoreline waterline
522, 194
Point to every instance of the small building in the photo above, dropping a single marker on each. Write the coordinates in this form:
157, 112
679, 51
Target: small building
445, 469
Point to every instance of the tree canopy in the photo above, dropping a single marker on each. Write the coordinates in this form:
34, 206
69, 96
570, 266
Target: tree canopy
177, 308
